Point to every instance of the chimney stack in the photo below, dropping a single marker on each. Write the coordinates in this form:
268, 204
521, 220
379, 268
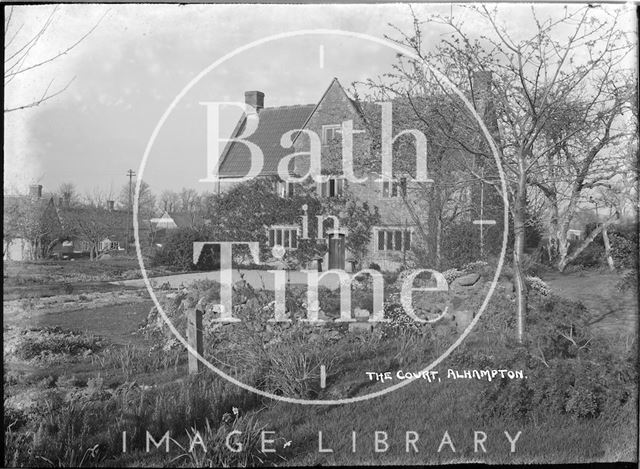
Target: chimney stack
481, 89
59, 202
255, 99
110, 204
35, 191
67, 200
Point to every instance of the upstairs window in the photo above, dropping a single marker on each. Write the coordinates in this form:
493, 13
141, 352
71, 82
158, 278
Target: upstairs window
285, 189
334, 187
285, 236
391, 189
393, 240
330, 133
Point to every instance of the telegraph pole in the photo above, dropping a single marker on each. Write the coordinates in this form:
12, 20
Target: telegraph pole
482, 221
131, 174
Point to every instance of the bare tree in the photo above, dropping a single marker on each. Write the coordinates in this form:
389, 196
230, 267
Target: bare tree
67, 191
18, 51
190, 200
169, 201
146, 201
532, 79
447, 191
92, 224
98, 197
585, 141
32, 220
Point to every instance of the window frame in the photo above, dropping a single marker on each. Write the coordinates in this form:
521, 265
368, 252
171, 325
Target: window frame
389, 237
287, 241
338, 187
285, 189
394, 188
335, 128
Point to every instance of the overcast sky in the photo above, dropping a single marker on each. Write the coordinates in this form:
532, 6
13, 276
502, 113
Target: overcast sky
140, 57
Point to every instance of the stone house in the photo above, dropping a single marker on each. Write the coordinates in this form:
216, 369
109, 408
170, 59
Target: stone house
399, 206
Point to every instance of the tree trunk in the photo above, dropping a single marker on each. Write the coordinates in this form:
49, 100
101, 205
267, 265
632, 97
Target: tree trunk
519, 211
562, 243
607, 248
50, 246
35, 247
518, 272
422, 231
564, 261
438, 242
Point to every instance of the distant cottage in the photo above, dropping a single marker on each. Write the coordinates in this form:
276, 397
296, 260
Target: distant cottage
30, 223
37, 225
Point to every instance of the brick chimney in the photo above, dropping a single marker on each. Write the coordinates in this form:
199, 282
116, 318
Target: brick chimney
481, 89
35, 191
255, 99
60, 202
110, 205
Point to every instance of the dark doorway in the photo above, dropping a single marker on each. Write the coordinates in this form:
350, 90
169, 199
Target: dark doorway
336, 251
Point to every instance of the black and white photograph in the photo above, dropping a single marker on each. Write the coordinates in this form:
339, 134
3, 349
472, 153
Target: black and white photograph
320, 234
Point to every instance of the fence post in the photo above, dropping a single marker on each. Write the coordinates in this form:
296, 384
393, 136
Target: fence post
194, 338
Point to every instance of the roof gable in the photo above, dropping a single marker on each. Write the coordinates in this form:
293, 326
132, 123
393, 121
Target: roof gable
335, 89
21, 202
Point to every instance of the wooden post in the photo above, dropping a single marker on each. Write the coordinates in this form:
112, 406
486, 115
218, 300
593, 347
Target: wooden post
607, 248
194, 338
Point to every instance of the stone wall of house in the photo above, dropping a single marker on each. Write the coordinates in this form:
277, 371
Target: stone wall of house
334, 108
393, 213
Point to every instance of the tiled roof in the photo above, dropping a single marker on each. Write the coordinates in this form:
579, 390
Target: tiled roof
274, 122
11, 202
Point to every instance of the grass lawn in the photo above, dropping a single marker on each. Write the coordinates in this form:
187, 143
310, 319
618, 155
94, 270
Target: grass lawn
614, 313
83, 389
431, 410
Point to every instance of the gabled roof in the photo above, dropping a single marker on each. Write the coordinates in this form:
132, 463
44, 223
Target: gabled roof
274, 122
12, 202
333, 83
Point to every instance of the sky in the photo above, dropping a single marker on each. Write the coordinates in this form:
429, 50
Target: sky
140, 57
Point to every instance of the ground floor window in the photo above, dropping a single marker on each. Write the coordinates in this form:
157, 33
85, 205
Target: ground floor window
333, 187
392, 189
286, 236
285, 189
109, 245
393, 239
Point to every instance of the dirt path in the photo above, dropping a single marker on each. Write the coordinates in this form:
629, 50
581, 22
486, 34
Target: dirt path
116, 323
112, 315
613, 312
256, 278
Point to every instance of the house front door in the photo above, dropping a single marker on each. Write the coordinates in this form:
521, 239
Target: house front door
336, 252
